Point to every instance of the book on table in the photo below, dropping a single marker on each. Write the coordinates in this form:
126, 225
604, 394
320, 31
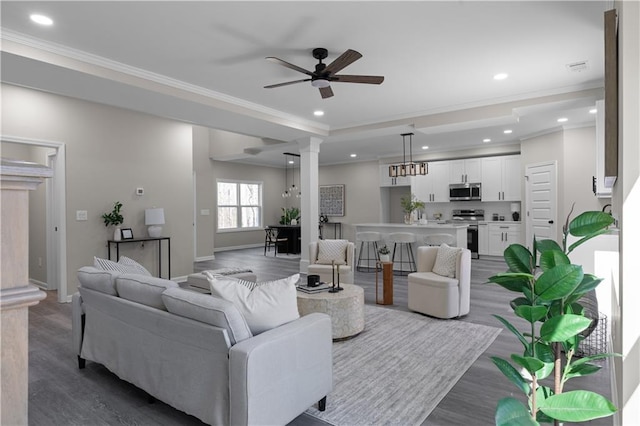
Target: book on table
316, 289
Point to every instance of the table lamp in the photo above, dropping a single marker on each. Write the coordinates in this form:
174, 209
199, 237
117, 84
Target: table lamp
153, 218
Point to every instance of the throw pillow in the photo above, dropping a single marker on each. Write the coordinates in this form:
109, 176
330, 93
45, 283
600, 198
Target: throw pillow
330, 251
109, 265
266, 306
446, 259
212, 274
124, 260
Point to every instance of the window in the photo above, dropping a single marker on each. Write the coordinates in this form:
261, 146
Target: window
239, 205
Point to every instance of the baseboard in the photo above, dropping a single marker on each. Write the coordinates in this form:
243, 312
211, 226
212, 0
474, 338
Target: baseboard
205, 258
39, 284
238, 247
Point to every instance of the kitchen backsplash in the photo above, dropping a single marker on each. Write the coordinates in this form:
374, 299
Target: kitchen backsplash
445, 209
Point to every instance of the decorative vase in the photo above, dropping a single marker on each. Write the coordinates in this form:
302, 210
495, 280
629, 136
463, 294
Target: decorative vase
117, 235
294, 222
407, 218
384, 257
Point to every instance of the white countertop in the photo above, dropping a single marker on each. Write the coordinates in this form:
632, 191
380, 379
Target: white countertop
503, 222
429, 224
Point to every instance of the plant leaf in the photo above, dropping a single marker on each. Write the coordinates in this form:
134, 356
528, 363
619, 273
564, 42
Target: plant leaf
529, 363
588, 283
551, 258
512, 374
577, 406
514, 330
544, 245
511, 412
512, 281
563, 327
531, 313
518, 258
582, 370
588, 223
558, 282
587, 238
593, 358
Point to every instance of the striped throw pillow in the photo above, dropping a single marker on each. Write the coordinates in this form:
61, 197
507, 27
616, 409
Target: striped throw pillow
125, 268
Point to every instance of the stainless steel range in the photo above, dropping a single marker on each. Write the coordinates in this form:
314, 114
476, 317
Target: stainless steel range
471, 217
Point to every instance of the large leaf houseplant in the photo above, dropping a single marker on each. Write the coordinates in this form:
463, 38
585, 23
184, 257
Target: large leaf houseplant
550, 288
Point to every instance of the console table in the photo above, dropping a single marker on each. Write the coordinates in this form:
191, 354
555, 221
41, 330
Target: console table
337, 229
144, 240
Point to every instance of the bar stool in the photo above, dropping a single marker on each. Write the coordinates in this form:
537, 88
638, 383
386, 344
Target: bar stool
368, 241
439, 239
402, 243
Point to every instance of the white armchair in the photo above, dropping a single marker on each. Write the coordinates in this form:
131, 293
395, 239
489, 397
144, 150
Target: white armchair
438, 295
322, 252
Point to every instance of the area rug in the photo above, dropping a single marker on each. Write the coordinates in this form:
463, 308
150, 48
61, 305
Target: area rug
400, 367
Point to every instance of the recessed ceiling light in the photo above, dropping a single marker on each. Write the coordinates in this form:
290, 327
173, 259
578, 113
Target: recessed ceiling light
41, 19
501, 76
353, 155
563, 119
425, 147
593, 111
508, 131
486, 140
318, 113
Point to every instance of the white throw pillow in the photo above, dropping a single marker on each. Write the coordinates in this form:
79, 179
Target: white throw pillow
330, 251
266, 306
446, 261
129, 266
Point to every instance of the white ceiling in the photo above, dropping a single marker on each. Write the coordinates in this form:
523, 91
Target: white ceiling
204, 62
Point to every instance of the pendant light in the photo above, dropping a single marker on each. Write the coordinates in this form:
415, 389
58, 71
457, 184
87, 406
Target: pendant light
408, 168
286, 193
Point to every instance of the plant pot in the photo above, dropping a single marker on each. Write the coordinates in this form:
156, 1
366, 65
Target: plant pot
117, 235
407, 218
384, 258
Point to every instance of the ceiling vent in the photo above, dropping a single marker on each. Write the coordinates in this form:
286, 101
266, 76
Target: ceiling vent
578, 66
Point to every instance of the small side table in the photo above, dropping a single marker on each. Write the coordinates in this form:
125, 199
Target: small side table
143, 240
387, 283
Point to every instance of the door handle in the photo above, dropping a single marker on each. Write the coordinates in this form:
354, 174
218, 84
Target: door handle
550, 221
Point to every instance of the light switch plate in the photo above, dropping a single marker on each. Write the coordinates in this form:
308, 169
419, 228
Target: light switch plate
139, 191
205, 212
81, 215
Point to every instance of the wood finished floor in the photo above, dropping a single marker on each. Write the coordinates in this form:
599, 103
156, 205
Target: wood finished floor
60, 394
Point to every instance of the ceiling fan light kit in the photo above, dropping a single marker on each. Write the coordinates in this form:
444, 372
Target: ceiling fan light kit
325, 74
410, 168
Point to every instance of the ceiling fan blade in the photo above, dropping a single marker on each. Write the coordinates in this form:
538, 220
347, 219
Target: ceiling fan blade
288, 65
347, 58
326, 92
271, 86
367, 79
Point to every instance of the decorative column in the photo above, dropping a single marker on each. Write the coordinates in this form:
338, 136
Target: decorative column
16, 294
309, 149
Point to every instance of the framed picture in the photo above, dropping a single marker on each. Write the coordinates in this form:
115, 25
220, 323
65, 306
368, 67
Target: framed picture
332, 200
127, 233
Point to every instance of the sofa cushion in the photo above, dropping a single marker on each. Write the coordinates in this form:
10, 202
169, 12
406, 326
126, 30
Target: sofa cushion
142, 289
432, 279
208, 309
330, 251
98, 279
266, 306
446, 260
126, 266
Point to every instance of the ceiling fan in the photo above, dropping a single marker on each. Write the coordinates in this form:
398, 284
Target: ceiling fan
324, 74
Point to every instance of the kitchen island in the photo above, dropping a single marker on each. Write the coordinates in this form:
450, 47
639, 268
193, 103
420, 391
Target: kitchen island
457, 230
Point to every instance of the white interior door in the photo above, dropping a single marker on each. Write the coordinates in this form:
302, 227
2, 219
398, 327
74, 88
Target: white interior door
541, 202
53, 260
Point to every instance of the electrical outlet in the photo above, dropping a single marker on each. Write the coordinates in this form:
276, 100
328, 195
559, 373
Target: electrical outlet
81, 215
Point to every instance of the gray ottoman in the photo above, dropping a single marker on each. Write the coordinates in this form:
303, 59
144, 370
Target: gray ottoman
199, 281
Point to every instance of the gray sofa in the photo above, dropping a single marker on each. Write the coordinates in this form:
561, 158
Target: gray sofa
196, 353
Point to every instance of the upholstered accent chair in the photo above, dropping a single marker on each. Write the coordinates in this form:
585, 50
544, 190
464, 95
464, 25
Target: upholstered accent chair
323, 252
441, 287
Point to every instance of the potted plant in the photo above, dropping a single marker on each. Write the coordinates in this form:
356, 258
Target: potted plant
384, 253
549, 301
289, 215
114, 218
409, 205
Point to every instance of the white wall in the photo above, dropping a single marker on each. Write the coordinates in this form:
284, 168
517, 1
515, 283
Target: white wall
110, 152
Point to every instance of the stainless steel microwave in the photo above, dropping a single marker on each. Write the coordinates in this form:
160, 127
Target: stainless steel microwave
465, 192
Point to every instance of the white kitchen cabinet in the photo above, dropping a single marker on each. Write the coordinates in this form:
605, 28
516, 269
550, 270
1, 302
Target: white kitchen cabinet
483, 239
386, 180
434, 186
501, 178
502, 236
599, 189
465, 171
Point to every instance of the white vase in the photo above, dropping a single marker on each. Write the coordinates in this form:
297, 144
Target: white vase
117, 235
384, 258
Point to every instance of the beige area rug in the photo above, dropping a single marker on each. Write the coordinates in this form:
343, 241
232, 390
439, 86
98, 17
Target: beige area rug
400, 367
